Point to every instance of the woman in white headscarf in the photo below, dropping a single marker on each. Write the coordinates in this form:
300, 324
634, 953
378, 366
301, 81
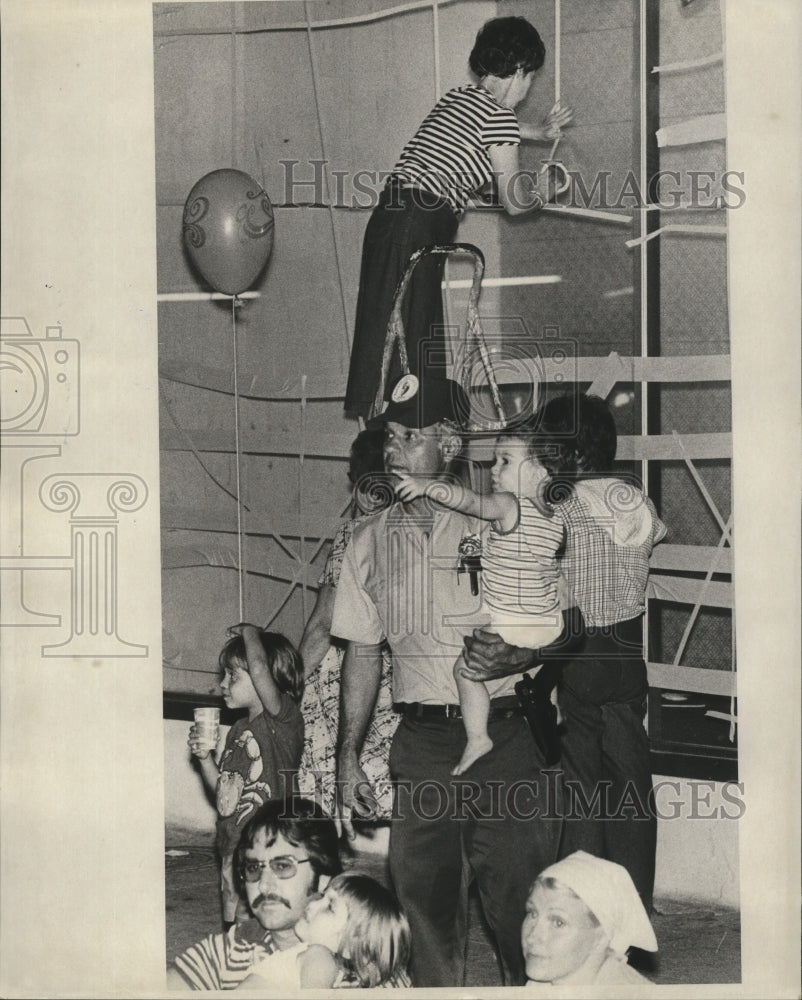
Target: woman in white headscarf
582, 916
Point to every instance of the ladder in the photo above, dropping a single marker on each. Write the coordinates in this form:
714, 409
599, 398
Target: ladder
473, 331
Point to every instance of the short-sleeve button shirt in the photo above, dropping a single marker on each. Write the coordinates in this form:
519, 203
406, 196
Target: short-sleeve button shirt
399, 582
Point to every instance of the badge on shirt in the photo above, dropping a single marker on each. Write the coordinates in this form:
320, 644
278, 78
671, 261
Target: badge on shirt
470, 560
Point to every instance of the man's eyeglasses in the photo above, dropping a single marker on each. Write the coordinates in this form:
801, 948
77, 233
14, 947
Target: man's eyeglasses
284, 866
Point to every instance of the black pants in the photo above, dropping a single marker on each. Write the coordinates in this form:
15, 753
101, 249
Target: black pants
404, 221
608, 800
498, 823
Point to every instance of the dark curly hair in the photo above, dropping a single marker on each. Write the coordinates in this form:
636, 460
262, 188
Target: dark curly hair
302, 823
574, 437
504, 45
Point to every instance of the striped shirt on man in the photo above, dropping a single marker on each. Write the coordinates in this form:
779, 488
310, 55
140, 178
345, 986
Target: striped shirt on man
223, 961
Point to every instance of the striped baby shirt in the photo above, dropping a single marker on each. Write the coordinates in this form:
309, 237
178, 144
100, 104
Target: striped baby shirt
519, 568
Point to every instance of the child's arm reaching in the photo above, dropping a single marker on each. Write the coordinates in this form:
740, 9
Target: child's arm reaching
259, 668
499, 507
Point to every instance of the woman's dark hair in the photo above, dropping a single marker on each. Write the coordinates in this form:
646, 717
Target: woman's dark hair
301, 822
504, 45
285, 661
373, 490
366, 455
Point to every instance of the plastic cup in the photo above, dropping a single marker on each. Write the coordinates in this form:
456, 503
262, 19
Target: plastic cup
207, 724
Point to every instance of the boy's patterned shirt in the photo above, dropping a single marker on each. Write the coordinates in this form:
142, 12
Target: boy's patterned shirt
607, 576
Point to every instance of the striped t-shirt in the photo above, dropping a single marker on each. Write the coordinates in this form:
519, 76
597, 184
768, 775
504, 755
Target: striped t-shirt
448, 155
519, 568
223, 961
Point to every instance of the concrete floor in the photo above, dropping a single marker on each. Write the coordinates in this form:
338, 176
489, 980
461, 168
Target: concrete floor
698, 943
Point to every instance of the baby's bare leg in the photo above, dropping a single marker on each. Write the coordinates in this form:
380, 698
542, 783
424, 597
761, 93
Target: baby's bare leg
475, 704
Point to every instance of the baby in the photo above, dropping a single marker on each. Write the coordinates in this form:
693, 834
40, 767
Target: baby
519, 566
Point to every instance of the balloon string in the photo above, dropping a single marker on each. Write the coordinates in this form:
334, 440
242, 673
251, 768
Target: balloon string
236, 449
193, 449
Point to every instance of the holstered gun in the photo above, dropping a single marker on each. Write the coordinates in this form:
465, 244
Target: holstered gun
534, 696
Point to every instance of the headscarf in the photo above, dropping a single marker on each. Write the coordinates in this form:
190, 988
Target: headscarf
609, 893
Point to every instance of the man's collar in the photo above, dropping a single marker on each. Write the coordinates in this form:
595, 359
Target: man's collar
252, 932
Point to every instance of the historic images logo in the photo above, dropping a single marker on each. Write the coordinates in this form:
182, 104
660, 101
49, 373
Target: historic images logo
40, 412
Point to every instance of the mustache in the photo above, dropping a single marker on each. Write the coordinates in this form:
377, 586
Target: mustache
269, 897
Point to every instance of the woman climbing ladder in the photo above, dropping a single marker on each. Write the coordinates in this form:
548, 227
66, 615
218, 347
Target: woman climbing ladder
468, 142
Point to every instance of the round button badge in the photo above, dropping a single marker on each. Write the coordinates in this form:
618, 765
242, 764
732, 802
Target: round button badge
405, 388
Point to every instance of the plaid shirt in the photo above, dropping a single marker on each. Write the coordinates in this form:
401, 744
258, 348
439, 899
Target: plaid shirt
611, 530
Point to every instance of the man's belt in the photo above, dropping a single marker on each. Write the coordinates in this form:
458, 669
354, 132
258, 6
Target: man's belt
500, 708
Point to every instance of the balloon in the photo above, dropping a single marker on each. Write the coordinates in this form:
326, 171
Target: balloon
228, 229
